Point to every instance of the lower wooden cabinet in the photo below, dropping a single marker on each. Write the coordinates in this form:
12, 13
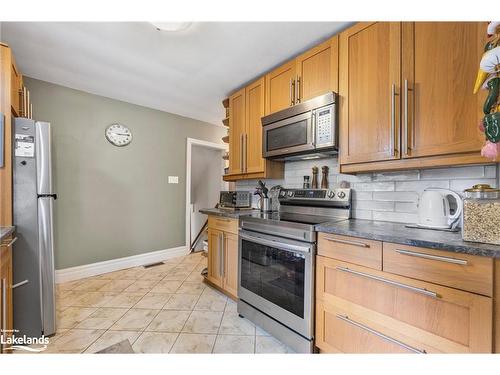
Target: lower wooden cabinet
362, 310
6, 318
223, 257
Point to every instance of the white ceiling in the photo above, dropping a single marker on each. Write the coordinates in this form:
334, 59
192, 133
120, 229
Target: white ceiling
187, 72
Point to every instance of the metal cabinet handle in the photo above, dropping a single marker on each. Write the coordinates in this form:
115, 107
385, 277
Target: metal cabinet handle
292, 92
219, 253
345, 318
10, 243
297, 87
224, 220
241, 152
4, 303
405, 115
393, 119
223, 255
245, 155
390, 282
347, 242
462, 262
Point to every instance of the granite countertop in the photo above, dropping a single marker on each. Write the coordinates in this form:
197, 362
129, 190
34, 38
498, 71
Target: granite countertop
398, 233
6, 231
227, 213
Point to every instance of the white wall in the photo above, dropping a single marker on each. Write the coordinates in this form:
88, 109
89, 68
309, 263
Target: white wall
387, 196
206, 183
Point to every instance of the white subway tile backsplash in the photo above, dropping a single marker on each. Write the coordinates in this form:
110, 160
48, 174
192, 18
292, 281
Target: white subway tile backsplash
473, 171
420, 186
396, 176
460, 185
386, 196
397, 196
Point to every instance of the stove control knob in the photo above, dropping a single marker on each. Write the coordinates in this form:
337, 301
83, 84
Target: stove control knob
331, 194
341, 195
282, 193
290, 194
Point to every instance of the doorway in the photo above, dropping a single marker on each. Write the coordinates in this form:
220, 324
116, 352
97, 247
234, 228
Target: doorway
204, 171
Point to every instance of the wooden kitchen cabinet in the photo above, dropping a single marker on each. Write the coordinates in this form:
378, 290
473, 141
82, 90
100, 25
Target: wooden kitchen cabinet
280, 87
246, 107
440, 61
223, 254
364, 307
369, 84
255, 103
406, 95
16, 80
237, 128
6, 317
317, 70
215, 249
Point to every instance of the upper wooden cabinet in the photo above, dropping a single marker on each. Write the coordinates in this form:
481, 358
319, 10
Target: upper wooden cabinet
246, 107
406, 95
318, 70
370, 63
253, 140
440, 62
280, 87
237, 127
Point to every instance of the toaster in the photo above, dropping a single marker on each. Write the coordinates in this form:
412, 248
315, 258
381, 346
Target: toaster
235, 199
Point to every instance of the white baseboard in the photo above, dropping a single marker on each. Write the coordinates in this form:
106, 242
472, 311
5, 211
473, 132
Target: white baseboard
93, 269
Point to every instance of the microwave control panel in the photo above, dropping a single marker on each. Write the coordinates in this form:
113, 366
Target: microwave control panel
324, 126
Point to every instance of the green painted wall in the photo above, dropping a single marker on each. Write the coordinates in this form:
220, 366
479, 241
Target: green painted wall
115, 202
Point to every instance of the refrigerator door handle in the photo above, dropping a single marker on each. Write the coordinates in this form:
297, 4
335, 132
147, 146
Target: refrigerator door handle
47, 274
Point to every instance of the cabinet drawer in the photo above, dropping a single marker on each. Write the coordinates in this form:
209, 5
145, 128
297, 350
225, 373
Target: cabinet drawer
461, 271
339, 331
422, 315
223, 223
351, 249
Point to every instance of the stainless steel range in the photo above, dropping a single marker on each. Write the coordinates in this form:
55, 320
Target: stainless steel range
276, 262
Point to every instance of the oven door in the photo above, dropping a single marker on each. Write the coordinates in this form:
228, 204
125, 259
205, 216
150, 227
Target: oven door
276, 277
289, 136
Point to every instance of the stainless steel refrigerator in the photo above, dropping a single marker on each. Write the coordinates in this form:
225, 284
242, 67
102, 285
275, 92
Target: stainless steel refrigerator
33, 253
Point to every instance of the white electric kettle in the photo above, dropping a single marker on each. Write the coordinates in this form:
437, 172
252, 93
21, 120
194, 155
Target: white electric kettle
434, 208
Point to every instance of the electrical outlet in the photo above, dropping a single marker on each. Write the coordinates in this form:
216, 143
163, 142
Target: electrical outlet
173, 179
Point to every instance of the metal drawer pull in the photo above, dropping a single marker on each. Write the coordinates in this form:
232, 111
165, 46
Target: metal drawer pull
345, 318
387, 281
21, 283
223, 220
347, 242
433, 257
10, 243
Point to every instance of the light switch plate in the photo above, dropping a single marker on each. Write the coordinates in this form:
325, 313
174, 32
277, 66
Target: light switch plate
173, 179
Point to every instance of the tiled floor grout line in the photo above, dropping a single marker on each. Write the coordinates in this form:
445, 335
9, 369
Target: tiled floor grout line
170, 351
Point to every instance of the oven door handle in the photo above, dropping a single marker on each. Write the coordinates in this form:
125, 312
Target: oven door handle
276, 244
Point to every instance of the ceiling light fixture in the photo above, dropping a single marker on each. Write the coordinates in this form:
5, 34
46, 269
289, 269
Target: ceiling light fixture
171, 26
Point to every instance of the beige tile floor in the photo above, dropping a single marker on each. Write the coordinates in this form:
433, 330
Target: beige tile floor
162, 309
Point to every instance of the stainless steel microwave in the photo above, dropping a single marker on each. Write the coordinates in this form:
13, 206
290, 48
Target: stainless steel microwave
305, 131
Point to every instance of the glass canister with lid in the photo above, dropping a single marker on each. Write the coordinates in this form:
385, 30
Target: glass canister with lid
481, 214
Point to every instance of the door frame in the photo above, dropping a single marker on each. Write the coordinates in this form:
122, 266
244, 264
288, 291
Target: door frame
190, 142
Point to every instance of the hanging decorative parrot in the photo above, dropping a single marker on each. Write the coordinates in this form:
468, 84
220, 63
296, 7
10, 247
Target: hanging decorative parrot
488, 78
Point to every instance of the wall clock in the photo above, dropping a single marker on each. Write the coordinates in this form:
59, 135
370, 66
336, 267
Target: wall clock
118, 135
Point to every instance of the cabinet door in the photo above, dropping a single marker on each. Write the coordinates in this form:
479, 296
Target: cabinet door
215, 247
416, 314
280, 88
236, 131
254, 162
369, 84
440, 62
231, 264
318, 70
